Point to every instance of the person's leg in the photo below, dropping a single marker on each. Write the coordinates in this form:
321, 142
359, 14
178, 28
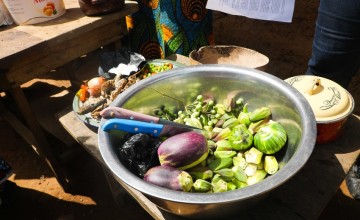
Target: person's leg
336, 45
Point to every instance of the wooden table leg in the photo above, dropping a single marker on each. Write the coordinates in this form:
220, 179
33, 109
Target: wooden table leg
41, 142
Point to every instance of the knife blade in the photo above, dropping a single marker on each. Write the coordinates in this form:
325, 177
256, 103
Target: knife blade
118, 112
154, 129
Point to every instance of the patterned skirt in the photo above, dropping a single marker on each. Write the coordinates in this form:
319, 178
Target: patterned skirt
164, 27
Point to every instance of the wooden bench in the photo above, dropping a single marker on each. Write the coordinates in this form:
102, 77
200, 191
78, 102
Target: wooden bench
28, 52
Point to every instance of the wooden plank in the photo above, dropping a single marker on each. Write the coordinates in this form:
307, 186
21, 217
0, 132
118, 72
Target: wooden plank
31, 50
37, 64
72, 23
18, 126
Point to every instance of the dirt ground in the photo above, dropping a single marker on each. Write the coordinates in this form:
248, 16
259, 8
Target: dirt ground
37, 195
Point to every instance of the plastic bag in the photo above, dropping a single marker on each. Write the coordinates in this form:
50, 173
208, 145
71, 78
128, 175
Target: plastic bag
139, 153
111, 59
353, 180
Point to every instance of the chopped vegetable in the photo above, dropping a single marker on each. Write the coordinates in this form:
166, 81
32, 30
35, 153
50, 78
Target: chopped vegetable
239, 173
240, 162
220, 163
223, 134
223, 145
257, 177
271, 165
224, 154
201, 185
226, 173
200, 172
231, 186
219, 186
250, 169
239, 184
253, 156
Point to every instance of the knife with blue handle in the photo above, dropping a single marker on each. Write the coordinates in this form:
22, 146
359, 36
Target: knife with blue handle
133, 126
154, 129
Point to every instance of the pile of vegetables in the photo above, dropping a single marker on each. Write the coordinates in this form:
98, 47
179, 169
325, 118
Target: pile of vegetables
152, 69
236, 148
98, 92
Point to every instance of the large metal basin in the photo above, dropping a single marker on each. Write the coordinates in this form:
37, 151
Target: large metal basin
259, 89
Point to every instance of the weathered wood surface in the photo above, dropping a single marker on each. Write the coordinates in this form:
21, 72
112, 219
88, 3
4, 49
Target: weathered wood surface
303, 197
31, 50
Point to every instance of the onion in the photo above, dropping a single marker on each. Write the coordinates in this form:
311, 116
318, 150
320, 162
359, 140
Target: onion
94, 86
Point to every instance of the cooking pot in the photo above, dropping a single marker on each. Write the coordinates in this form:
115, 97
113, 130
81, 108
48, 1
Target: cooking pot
331, 104
180, 86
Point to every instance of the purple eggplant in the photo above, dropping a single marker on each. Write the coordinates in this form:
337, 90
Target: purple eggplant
169, 177
184, 150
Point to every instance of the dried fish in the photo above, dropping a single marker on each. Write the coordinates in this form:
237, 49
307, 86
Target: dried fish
90, 106
107, 87
118, 89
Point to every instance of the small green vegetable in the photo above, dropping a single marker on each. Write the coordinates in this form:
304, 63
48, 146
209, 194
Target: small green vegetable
219, 186
223, 134
240, 162
270, 138
239, 184
250, 169
224, 154
239, 173
257, 177
200, 172
227, 174
253, 156
223, 145
201, 185
259, 114
271, 165
220, 163
230, 123
240, 138
231, 186
244, 116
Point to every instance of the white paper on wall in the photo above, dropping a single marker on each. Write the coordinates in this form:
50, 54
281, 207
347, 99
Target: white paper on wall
271, 10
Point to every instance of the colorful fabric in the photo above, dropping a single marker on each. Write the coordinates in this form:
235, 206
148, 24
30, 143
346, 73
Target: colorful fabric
164, 27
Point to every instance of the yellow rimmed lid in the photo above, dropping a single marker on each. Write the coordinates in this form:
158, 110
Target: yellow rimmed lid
328, 100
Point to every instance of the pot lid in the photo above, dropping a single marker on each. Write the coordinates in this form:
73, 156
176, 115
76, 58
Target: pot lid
328, 100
